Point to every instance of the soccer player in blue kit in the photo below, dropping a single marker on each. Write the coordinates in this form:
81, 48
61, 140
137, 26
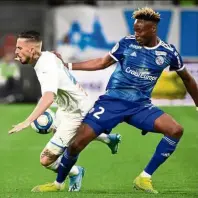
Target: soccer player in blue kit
140, 58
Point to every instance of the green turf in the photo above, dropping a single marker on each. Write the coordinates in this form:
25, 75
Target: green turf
106, 175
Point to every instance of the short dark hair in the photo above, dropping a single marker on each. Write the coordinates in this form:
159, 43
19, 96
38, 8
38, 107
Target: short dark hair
31, 35
147, 14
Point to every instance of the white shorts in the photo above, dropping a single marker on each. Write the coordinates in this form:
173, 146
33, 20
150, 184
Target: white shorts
67, 125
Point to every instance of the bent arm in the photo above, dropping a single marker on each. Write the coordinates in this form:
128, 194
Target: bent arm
190, 84
43, 104
94, 64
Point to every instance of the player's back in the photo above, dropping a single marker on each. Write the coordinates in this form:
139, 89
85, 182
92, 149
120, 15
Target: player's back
139, 68
55, 77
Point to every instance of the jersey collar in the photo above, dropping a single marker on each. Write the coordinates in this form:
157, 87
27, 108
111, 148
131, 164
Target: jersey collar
151, 48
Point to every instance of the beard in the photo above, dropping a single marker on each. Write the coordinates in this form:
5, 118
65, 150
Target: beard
27, 61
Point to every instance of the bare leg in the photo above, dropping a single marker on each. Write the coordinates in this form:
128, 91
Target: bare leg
166, 125
52, 162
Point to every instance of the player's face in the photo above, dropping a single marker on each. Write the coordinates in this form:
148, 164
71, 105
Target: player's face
144, 31
23, 51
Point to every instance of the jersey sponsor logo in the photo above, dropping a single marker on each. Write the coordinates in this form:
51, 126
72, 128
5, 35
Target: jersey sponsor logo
144, 74
135, 46
160, 53
115, 48
159, 60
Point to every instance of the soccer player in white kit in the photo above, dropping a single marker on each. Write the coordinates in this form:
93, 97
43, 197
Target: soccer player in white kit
59, 86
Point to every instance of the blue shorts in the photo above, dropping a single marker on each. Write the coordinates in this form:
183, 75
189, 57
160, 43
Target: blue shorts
107, 112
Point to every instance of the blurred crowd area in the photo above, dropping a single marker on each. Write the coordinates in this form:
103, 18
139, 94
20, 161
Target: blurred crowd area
18, 15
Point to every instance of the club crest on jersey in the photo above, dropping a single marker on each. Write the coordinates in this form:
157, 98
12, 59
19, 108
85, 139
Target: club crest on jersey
159, 60
116, 46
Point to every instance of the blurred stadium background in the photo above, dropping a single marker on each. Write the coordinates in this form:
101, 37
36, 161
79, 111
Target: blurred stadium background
81, 30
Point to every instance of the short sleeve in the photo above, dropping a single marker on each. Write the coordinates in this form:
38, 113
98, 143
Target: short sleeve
48, 75
117, 52
176, 63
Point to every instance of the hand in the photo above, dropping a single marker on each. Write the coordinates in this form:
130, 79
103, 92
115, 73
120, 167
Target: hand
19, 127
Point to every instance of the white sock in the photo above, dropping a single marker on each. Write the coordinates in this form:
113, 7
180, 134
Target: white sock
103, 138
145, 174
74, 171
54, 166
58, 185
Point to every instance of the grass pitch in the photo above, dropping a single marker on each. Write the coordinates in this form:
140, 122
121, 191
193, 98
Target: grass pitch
107, 176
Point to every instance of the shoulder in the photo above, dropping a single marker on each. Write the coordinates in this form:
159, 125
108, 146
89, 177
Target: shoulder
123, 43
127, 40
131, 37
46, 61
168, 47
47, 55
173, 55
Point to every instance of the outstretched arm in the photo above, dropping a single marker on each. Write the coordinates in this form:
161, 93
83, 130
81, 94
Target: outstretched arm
190, 84
43, 104
93, 64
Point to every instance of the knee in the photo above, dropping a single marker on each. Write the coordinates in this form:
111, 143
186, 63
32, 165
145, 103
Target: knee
45, 161
177, 131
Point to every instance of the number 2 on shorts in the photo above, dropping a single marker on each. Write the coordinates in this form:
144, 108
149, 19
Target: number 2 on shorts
96, 114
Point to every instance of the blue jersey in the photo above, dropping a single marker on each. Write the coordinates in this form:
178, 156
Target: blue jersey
139, 68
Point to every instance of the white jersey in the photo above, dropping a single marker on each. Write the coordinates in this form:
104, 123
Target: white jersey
55, 77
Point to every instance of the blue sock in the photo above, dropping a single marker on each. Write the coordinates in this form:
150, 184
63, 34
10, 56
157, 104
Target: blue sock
65, 166
164, 149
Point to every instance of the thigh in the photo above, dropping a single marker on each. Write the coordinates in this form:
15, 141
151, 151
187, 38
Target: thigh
145, 118
67, 128
105, 114
85, 134
166, 125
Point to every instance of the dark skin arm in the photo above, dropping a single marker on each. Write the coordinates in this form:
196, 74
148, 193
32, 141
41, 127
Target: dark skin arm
190, 84
93, 64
